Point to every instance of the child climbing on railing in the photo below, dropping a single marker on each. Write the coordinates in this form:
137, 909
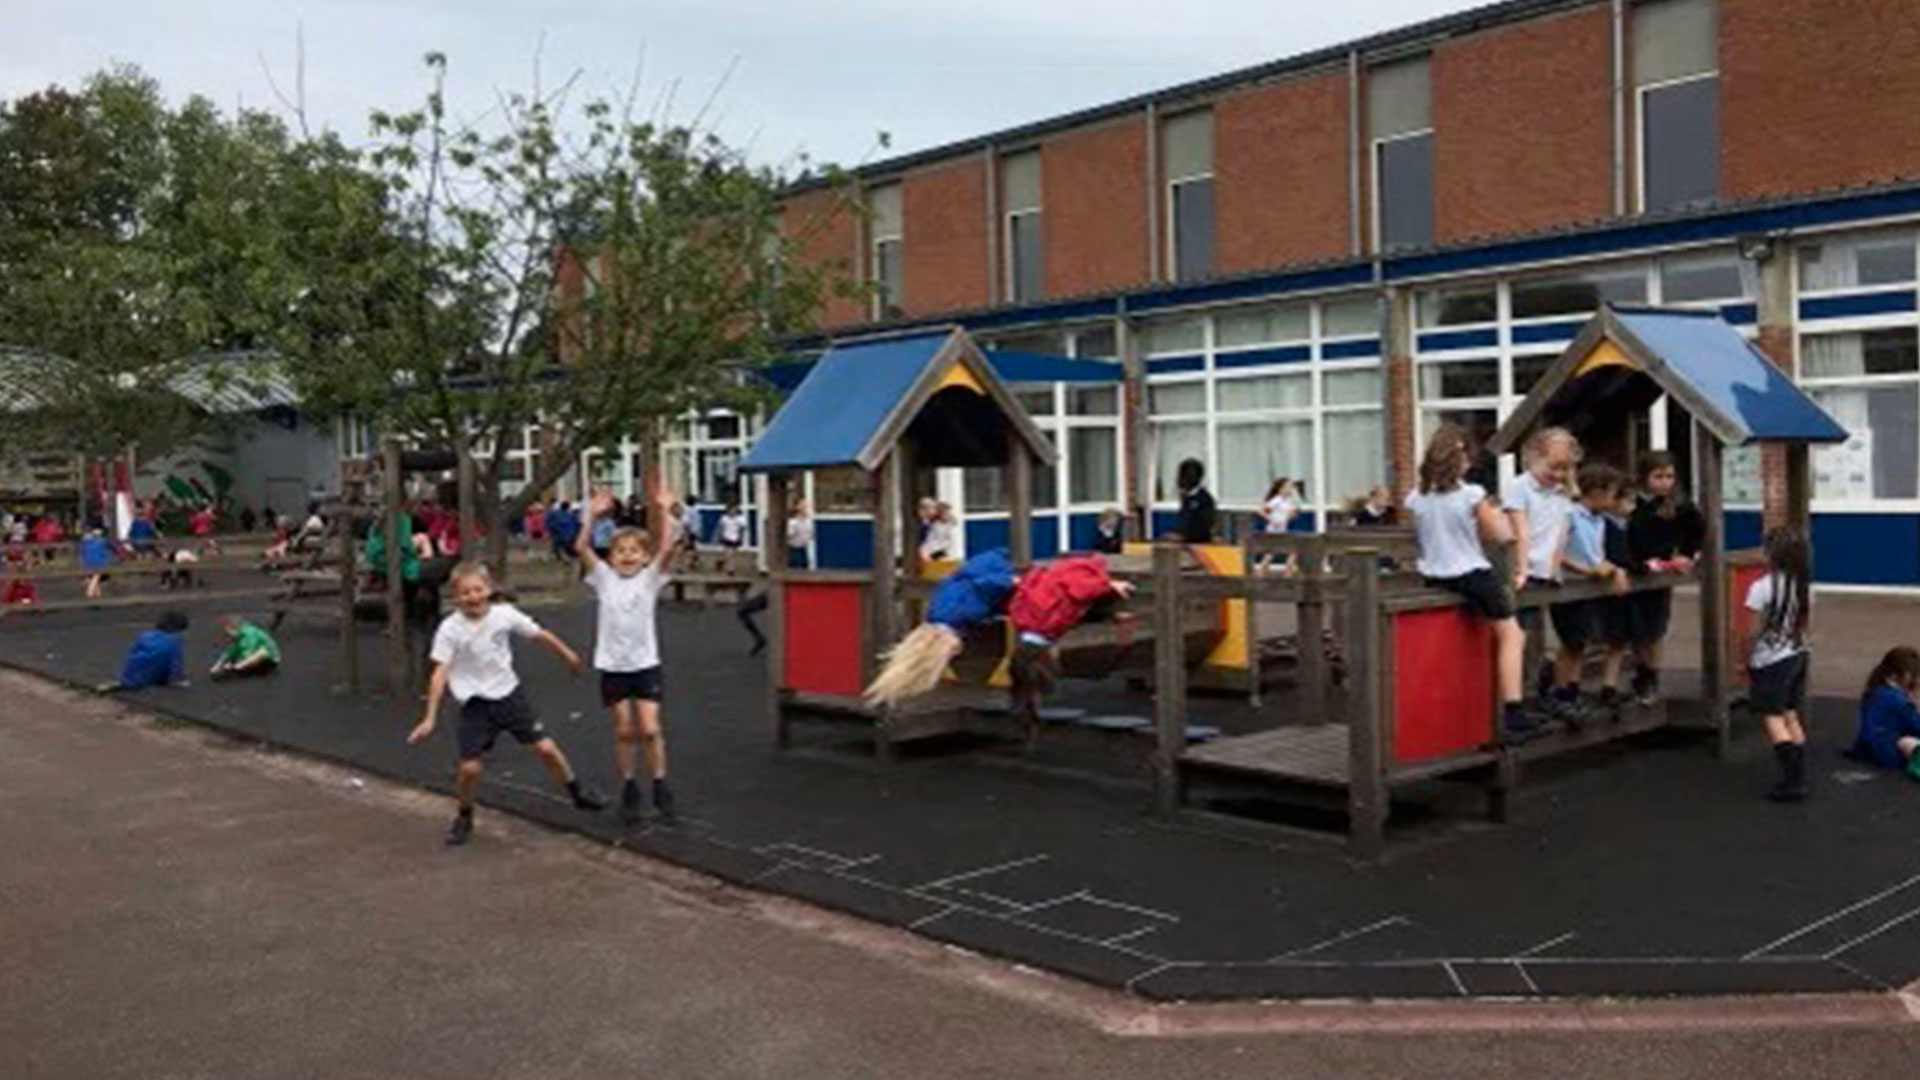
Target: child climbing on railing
1455, 522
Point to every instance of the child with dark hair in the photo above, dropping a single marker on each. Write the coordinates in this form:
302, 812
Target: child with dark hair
1455, 522
1777, 657
1195, 524
1889, 734
156, 657
1580, 624
1663, 537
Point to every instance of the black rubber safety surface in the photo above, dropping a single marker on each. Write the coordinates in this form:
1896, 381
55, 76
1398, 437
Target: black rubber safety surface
1648, 868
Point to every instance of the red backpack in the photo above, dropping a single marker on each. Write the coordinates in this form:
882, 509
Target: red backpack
1050, 600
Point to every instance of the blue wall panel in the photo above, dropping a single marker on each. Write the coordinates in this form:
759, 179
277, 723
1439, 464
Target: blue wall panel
1174, 365
1559, 331
1046, 537
1279, 354
985, 534
1081, 531
1867, 549
844, 544
1459, 339
1350, 350
1742, 529
1842, 307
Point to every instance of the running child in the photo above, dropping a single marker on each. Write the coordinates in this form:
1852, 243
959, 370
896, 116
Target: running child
626, 648
250, 651
1782, 604
1889, 734
1663, 537
96, 558
1455, 521
473, 658
156, 657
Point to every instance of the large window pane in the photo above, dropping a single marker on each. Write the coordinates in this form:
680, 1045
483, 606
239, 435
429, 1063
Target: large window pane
1262, 326
1023, 257
1579, 294
1177, 398
1036, 402
1098, 343
1045, 343
1874, 352
1681, 143
1272, 392
1093, 465
1480, 424
1527, 370
1094, 401
1857, 261
886, 275
1881, 457
1172, 444
1359, 317
1172, 336
1715, 276
1406, 192
1046, 480
1355, 455
1361, 387
1456, 307
1192, 229
1460, 379
1254, 453
985, 493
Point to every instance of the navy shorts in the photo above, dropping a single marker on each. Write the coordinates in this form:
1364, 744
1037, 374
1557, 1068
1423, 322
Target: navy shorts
1779, 687
482, 720
1485, 593
647, 684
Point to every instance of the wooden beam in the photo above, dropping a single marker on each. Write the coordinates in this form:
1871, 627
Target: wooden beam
1714, 662
393, 487
1019, 500
886, 525
1169, 681
774, 524
1310, 623
1800, 489
1367, 792
349, 631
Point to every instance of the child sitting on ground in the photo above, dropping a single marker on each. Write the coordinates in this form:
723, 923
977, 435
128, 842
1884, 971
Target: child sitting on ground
1777, 659
156, 657
250, 650
1889, 734
473, 657
1454, 523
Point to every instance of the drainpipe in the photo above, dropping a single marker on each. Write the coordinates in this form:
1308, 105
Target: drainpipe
1355, 152
1154, 260
994, 259
1619, 108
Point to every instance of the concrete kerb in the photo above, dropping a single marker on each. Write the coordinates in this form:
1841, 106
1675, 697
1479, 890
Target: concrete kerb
1111, 1012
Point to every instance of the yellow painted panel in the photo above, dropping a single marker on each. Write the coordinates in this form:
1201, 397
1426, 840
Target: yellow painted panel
1227, 560
959, 374
1605, 354
938, 569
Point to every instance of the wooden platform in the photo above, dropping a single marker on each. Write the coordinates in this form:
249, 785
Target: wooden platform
1316, 754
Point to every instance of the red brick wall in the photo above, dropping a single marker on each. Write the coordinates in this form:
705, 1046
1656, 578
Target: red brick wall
1280, 169
1093, 205
1816, 96
1523, 126
1777, 343
827, 233
945, 254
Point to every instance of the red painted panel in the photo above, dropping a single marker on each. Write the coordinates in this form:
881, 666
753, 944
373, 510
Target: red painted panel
1741, 574
1442, 684
822, 626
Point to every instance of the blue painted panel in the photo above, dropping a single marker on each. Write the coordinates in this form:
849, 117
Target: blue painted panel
1740, 314
844, 544
1841, 307
709, 520
1867, 549
1046, 536
1459, 339
1279, 354
1082, 529
1742, 529
985, 534
1350, 350
1557, 331
1163, 522
1168, 365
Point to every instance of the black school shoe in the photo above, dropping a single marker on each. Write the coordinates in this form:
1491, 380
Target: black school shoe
663, 801
1610, 703
585, 798
630, 803
460, 831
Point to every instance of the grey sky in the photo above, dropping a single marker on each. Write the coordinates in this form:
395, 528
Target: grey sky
818, 75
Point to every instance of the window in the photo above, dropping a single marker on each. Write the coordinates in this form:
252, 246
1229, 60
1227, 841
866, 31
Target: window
1350, 318
1020, 193
1097, 343
1254, 452
1173, 399
1362, 387
1043, 343
1172, 444
1710, 276
1186, 153
1356, 454
1481, 424
1579, 294
1528, 370
1857, 261
1093, 401
1458, 307
1676, 69
1038, 403
1871, 352
889, 233
1262, 326
1272, 392
1459, 379
1881, 457
1173, 336
1093, 455
1400, 123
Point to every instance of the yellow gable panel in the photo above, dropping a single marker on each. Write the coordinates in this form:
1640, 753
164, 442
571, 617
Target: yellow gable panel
1605, 354
958, 374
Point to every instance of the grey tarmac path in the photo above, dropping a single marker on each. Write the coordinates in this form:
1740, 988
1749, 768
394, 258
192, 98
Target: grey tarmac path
173, 905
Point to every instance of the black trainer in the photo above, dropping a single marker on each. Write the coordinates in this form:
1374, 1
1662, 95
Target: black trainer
663, 801
1611, 703
585, 798
461, 830
630, 803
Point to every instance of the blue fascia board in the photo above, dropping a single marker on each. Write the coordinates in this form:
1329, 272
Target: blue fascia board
1442, 340
1173, 365
1350, 350
1842, 307
1745, 314
1278, 354
1545, 332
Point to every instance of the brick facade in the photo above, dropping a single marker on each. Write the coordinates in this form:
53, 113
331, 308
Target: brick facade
1815, 96
1093, 206
1280, 173
944, 259
1523, 126
827, 233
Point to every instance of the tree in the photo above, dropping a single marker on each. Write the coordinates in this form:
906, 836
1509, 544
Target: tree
595, 281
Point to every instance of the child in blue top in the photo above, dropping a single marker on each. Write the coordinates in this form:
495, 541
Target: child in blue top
1889, 723
155, 658
96, 557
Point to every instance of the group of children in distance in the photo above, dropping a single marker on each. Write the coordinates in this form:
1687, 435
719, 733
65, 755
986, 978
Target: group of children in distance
157, 657
1588, 525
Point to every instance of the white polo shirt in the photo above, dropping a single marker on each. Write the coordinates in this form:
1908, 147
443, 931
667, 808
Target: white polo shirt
625, 639
1548, 510
1448, 530
478, 653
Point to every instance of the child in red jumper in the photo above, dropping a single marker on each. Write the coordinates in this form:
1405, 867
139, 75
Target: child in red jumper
1047, 602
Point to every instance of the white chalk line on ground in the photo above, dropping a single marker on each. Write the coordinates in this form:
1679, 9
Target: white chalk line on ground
1348, 935
1835, 917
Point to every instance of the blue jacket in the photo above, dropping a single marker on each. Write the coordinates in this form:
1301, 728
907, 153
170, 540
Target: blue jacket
95, 553
1886, 716
974, 593
155, 659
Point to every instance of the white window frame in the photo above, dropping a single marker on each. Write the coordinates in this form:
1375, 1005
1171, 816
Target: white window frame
1379, 188
1640, 130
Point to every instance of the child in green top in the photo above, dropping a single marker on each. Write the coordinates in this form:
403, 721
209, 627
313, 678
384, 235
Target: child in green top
250, 650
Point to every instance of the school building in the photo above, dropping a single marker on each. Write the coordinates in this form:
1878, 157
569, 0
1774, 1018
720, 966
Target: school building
1299, 268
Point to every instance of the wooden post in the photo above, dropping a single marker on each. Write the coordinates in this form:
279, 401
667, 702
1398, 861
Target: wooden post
1019, 500
909, 512
886, 524
1249, 567
1367, 792
1169, 680
1713, 583
1800, 489
393, 489
464, 475
1310, 623
349, 629
774, 525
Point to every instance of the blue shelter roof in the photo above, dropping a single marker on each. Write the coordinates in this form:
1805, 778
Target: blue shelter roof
1696, 357
857, 397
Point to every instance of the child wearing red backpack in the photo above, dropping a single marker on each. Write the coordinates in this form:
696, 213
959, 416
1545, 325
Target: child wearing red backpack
1048, 601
